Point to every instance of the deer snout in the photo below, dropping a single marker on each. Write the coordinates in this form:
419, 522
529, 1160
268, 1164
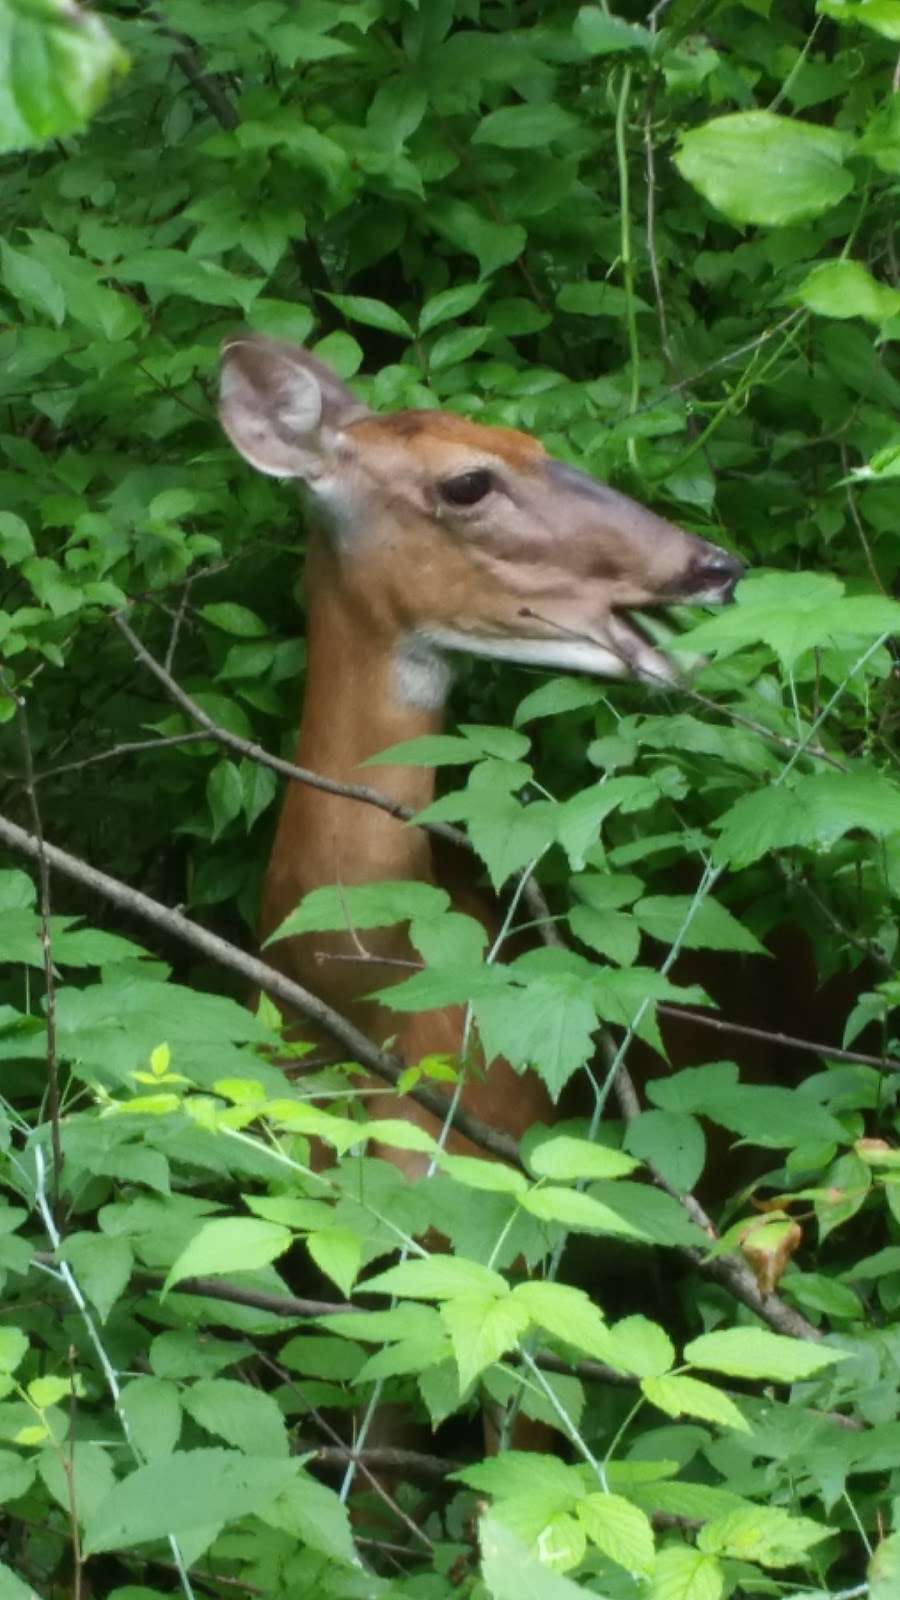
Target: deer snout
713, 575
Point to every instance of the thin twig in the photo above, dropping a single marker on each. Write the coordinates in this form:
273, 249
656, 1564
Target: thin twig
532, 893
46, 942
861, 534
787, 1041
340, 1454
129, 749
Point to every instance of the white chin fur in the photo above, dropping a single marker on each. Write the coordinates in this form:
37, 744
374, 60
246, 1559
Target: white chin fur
566, 655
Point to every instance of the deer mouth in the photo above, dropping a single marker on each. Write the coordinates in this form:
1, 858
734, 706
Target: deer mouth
636, 638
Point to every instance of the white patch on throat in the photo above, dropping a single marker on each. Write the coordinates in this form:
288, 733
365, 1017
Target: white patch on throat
421, 673
566, 655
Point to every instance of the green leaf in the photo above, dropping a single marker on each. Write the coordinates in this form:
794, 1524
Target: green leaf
186, 1490
455, 345
684, 1574
225, 795
554, 698
492, 1176
311, 1514
581, 818
670, 1141
601, 34
450, 304
371, 313
711, 926
494, 244
644, 1347
847, 289
816, 812
765, 1534
13, 1348
550, 1026
365, 905
59, 62
679, 1396
16, 542
772, 1117
92, 1476
245, 1417
153, 1410
579, 1211
511, 1573
596, 300
567, 1159
482, 1328
429, 750
618, 1528
229, 1244
338, 1253
438, 1278
613, 934
12, 1588
884, 1569
102, 1266
568, 1314
757, 1353
882, 16
235, 619
525, 127
758, 167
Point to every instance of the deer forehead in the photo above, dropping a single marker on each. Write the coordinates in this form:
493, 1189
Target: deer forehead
440, 443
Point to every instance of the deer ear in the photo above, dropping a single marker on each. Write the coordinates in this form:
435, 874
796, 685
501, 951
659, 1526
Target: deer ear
281, 408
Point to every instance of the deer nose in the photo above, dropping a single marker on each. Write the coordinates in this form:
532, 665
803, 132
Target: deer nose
715, 574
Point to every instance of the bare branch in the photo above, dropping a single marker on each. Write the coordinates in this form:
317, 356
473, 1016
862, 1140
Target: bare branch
786, 1040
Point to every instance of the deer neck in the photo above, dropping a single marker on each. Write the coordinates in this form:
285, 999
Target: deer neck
365, 691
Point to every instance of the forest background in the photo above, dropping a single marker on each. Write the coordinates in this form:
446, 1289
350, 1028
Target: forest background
664, 242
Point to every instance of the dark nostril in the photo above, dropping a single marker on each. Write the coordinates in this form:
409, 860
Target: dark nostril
719, 570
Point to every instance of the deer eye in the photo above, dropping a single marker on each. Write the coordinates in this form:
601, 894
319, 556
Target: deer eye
468, 488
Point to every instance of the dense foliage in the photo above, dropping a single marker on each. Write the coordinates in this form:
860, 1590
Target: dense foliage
663, 242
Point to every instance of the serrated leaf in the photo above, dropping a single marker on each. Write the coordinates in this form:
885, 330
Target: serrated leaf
153, 1410
758, 167
711, 926
757, 1353
362, 905
679, 1396
671, 1141
847, 289
245, 1417
884, 1569
684, 1574
621, 1530
643, 1346
550, 1026
765, 1534
338, 1253
438, 1278
567, 1314
816, 812
186, 1490
229, 1244
102, 1267
475, 1173
579, 1211
566, 1159
554, 698
511, 1573
13, 1348
482, 1329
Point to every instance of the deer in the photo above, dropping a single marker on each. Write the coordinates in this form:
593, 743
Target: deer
430, 535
